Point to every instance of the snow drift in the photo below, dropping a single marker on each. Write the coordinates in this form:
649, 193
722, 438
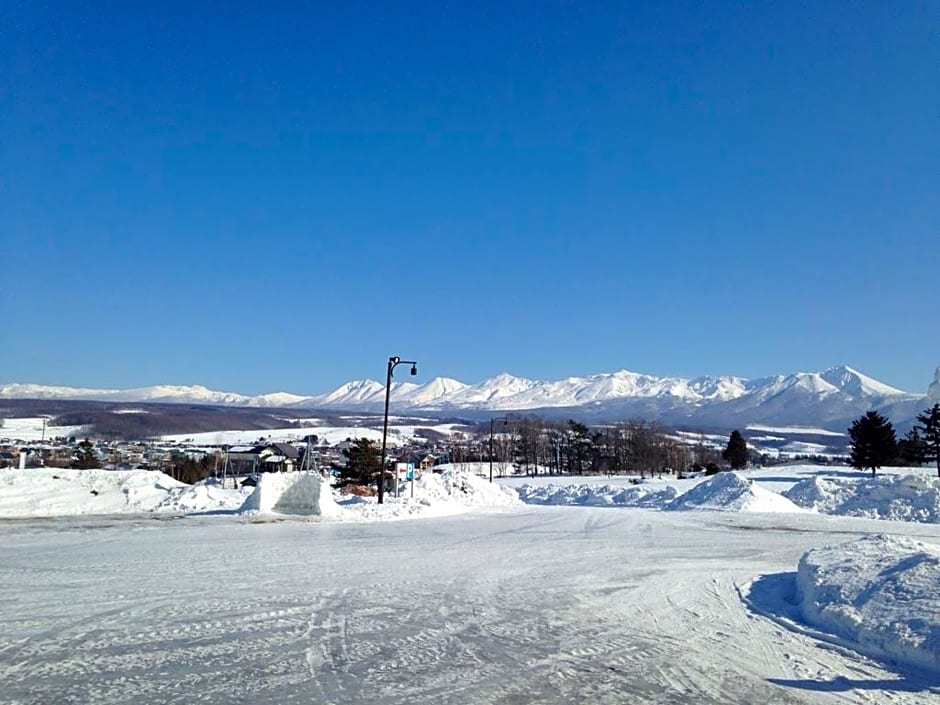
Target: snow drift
897, 497
880, 593
303, 493
730, 491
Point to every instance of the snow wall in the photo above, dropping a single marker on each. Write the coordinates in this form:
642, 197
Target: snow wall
292, 493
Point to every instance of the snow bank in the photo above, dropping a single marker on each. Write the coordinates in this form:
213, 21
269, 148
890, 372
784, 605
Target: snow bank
598, 495
303, 493
880, 593
901, 498
44, 492
726, 491
730, 491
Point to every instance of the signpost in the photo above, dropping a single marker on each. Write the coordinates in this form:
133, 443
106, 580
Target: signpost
404, 471
410, 476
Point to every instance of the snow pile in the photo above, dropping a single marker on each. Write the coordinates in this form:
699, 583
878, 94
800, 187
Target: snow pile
730, 491
303, 493
880, 593
435, 495
43, 492
461, 487
598, 495
201, 497
898, 497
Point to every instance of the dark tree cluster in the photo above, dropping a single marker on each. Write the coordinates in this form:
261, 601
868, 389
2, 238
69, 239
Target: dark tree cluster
874, 441
189, 470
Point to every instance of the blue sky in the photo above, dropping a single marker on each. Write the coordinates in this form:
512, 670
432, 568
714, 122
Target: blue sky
259, 197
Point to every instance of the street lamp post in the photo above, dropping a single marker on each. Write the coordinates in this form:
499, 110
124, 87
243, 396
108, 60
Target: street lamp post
393, 362
505, 422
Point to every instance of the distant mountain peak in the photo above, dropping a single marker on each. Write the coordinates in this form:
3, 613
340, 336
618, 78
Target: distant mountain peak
852, 381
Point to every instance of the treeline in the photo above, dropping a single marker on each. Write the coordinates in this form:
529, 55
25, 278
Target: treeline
534, 444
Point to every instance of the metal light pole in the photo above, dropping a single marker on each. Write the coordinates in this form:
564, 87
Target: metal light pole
505, 422
393, 362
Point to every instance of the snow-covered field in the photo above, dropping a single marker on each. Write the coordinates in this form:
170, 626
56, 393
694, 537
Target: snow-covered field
35, 428
485, 599
331, 435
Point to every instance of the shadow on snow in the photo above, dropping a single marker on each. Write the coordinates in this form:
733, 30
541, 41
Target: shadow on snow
774, 596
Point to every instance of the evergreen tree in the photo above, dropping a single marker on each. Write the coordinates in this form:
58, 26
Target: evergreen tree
86, 457
736, 452
873, 442
912, 448
930, 429
363, 463
580, 446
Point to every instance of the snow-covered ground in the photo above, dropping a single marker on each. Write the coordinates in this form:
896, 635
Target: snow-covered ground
533, 604
486, 599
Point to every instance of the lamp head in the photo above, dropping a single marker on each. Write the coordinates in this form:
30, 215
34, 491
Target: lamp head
414, 369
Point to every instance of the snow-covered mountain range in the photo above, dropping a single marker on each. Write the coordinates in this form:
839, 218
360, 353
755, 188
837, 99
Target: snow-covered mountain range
828, 398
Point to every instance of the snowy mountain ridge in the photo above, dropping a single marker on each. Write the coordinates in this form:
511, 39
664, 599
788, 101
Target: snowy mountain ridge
807, 397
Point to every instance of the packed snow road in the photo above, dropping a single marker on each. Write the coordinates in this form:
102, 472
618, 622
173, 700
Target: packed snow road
525, 605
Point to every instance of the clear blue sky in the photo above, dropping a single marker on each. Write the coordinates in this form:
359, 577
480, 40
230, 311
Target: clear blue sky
263, 197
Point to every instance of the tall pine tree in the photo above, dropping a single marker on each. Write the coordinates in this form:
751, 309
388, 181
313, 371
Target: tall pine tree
930, 431
736, 452
363, 463
873, 442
